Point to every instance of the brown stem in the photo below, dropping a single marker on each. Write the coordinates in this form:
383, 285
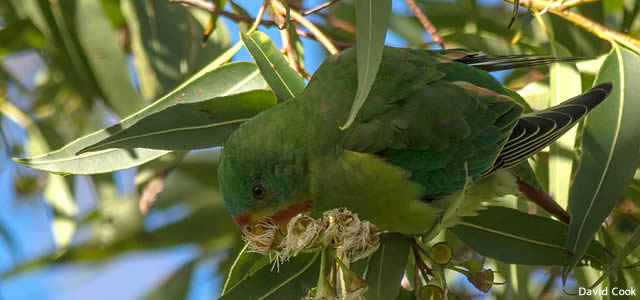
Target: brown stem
286, 44
320, 7
543, 200
320, 37
582, 21
426, 23
213, 9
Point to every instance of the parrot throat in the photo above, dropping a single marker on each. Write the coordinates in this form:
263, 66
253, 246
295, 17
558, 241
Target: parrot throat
280, 216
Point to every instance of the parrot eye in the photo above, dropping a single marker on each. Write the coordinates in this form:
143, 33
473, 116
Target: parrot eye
258, 192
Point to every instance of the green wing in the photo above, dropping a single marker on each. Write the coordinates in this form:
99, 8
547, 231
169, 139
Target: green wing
438, 131
460, 122
462, 118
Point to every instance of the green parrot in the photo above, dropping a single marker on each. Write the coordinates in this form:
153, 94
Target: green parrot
435, 123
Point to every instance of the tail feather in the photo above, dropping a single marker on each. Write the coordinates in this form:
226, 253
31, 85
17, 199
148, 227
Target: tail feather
507, 62
534, 131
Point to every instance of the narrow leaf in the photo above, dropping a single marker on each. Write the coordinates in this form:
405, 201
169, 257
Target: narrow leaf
283, 80
177, 286
565, 83
372, 20
88, 55
106, 60
162, 49
515, 237
386, 268
226, 80
616, 264
190, 126
246, 263
292, 281
610, 144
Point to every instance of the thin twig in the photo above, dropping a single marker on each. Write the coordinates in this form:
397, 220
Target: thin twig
426, 23
286, 44
288, 49
571, 3
258, 19
320, 37
216, 10
320, 7
584, 22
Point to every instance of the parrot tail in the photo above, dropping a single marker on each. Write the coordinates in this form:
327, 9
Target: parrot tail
506, 62
536, 130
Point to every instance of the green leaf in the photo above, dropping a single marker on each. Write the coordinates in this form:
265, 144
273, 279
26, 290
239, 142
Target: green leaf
57, 191
515, 237
177, 285
610, 155
565, 83
617, 262
237, 9
407, 28
297, 46
227, 80
97, 38
372, 21
245, 264
292, 281
88, 55
190, 126
386, 267
514, 13
163, 49
537, 94
283, 80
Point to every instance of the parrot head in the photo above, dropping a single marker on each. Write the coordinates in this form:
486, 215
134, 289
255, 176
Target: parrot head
263, 175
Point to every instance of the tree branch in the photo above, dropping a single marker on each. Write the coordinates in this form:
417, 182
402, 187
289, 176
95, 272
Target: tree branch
320, 37
320, 7
584, 22
216, 10
426, 23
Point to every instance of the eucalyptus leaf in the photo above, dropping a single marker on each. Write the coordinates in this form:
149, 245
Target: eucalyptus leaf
163, 49
245, 263
191, 125
283, 80
88, 54
386, 267
292, 280
227, 80
106, 60
565, 83
372, 20
617, 262
177, 286
515, 237
610, 155
242, 25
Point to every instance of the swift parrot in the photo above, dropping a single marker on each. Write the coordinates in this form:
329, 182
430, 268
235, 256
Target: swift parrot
431, 120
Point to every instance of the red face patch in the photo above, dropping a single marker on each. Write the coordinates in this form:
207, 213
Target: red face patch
281, 216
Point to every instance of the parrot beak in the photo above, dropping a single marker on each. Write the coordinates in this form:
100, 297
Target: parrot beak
250, 222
